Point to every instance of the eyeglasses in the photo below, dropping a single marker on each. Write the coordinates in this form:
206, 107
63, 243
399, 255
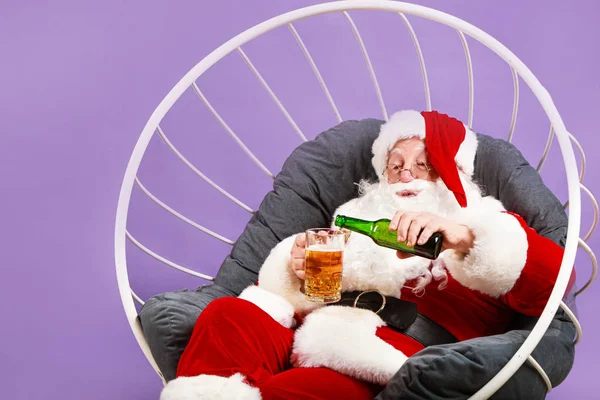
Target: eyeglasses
419, 170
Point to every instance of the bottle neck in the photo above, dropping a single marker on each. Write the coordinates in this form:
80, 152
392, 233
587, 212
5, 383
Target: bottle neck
354, 224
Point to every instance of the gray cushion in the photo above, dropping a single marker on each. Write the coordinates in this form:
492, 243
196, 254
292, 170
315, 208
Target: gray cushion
319, 176
457, 371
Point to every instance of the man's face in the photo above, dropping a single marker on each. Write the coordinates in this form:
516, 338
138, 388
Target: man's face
407, 161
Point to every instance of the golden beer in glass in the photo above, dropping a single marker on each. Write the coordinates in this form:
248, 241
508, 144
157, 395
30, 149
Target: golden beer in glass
324, 259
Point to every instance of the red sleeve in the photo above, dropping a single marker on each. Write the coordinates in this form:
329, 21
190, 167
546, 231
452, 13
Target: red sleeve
532, 290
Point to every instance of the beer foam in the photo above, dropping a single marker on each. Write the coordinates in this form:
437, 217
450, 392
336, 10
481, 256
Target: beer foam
323, 248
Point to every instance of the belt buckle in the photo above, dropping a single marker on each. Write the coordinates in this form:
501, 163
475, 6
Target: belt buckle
371, 291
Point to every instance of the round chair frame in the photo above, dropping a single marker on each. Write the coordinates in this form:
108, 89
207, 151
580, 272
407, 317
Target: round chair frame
574, 174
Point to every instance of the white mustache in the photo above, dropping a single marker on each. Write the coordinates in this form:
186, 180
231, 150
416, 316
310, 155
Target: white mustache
416, 185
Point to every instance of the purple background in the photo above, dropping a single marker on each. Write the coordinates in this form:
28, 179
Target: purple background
80, 79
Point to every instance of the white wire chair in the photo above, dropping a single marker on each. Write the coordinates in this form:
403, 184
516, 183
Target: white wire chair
518, 69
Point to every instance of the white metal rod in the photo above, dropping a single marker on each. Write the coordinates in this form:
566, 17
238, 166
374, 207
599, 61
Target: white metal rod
465, 45
180, 216
200, 174
165, 260
271, 93
542, 373
513, 120
590, 253
365, 54
546, 149
595, 206
575, 321
230, 131
137, 298
315, 71
582, 154
417, 45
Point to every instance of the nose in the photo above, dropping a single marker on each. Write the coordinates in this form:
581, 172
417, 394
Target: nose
405, 176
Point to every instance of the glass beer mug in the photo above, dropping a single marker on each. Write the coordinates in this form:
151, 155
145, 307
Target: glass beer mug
324, 259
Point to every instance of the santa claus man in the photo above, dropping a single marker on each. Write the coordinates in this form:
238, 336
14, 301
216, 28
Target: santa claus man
272, 343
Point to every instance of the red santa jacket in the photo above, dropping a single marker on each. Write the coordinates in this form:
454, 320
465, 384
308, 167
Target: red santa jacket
470, 313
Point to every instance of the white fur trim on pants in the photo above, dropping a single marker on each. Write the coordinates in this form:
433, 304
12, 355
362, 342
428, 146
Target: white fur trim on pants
498, 255
276, 306
344, 339
210, 387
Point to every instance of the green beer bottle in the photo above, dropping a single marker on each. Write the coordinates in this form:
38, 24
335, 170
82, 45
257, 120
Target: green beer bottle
381, 234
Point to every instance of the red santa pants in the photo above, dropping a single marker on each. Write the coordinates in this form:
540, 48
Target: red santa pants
235, 336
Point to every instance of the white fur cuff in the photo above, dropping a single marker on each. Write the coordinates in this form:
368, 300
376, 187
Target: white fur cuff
276, 306
276, 276
498, 255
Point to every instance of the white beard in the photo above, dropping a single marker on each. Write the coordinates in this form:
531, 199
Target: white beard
368, 266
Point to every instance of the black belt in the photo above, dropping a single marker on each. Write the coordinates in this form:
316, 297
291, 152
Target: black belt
400, 315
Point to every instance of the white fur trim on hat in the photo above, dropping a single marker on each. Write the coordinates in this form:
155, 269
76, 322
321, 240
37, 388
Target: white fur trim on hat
408, 124
210, 387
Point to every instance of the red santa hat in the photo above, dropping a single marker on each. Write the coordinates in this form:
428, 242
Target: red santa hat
450, 145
